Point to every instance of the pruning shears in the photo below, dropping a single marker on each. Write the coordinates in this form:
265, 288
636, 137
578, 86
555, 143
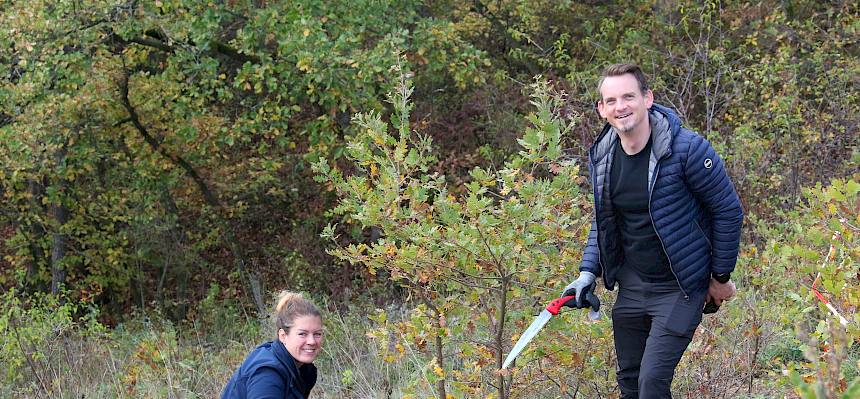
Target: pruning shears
589, 300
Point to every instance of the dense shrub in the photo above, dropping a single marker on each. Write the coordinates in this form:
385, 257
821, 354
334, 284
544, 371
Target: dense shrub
156, 176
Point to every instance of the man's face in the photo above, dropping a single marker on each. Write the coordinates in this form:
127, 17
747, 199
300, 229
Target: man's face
623, 105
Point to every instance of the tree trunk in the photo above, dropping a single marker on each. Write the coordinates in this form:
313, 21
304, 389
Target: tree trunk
35, 232
436, 315
440, 385
209, 195
58, 237
58, 252
504, 391
250, 276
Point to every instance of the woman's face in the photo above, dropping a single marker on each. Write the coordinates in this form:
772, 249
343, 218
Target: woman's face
304, 340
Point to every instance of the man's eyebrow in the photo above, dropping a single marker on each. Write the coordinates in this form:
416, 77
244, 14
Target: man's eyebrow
622, 95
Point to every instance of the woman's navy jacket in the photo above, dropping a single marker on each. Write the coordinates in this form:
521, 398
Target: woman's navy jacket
269, 371
693, 205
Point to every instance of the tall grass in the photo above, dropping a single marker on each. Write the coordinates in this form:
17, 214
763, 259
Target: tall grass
150, 357
44, 353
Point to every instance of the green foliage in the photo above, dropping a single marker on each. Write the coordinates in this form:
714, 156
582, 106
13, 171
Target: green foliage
31, 327
833, 211
141, 140
752, 77
219, 317
818, 247
155, 154
828, 379
237, 97
473, 262
349, 367
149, 356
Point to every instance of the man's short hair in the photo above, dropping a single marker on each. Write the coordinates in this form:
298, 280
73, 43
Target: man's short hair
623, 69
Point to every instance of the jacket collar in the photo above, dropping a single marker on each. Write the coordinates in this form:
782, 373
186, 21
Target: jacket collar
665, 125
304, 377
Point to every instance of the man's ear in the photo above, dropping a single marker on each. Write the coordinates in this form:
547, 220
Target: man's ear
600, 109
649, 99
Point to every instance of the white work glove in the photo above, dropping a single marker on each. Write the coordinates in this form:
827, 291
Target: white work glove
580, 287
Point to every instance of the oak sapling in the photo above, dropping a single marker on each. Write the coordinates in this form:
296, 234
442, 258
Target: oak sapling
473, 264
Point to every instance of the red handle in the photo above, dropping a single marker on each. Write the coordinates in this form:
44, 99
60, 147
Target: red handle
555, 306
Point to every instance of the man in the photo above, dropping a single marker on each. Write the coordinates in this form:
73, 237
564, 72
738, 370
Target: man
666, 228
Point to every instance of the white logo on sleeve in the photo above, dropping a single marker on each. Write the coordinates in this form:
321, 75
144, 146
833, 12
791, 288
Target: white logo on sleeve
708, 163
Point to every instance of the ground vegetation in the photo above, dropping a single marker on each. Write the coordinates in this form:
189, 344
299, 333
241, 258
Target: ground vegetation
416, 167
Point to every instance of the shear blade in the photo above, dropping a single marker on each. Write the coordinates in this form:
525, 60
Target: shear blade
527, 336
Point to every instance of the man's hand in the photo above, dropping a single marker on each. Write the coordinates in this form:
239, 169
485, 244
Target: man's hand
719, 292
579, 287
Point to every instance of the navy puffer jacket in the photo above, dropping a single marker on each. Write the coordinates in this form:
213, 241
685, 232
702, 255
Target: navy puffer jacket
693, 204
269, 372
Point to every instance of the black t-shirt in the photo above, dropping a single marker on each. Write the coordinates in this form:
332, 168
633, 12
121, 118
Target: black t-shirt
628, 188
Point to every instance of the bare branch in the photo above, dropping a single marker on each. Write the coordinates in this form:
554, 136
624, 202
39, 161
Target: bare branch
155, 144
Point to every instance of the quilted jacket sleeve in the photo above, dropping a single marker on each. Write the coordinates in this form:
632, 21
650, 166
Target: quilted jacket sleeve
707, 180
590, 256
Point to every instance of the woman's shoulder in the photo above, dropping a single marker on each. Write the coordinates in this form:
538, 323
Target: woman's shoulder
263, 356
260, 374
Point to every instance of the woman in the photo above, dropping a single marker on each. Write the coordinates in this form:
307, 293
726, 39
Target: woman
282, 368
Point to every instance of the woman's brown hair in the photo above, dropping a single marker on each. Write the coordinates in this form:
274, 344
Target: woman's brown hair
292, 305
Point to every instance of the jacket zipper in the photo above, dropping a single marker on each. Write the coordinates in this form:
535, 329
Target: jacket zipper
671, 269
597, 230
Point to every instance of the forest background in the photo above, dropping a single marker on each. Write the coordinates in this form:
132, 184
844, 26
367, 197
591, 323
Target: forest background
417, 168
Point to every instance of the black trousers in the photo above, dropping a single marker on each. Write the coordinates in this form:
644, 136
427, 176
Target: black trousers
653, 324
